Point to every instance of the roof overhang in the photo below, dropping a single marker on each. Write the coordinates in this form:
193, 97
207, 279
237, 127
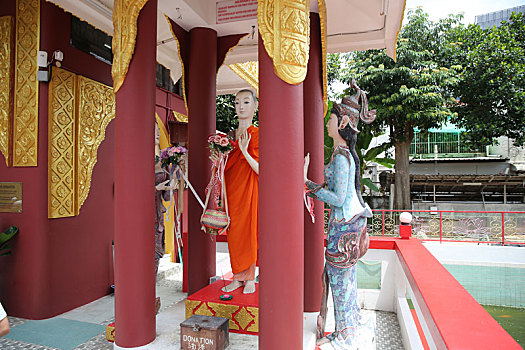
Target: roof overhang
351, 25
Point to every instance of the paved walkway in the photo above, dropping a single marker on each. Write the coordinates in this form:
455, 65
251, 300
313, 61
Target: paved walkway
84, 328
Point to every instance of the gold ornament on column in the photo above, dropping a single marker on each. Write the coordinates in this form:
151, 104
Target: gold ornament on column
6, 64
284, 26
125, 15
324, 45
25, 125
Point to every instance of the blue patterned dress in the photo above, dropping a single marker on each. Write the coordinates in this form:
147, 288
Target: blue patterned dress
346, 224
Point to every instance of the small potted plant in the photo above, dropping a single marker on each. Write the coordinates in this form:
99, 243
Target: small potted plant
5, 237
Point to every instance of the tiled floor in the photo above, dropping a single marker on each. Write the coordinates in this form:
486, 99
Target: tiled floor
99, 313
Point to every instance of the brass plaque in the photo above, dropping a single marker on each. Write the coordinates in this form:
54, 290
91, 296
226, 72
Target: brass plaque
11, 197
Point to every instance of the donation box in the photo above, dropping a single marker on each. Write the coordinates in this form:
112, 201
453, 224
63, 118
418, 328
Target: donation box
204, 332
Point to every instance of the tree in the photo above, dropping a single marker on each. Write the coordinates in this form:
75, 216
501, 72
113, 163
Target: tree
490, 94
412, 92
225, 113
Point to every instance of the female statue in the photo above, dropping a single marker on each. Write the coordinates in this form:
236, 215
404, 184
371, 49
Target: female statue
347, 239
162, 187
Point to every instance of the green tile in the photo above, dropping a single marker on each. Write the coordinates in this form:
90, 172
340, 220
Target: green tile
56, 332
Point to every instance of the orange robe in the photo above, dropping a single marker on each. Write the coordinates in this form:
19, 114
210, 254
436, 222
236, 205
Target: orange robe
242, 190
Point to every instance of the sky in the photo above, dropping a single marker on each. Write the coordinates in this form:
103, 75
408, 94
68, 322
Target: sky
442, 8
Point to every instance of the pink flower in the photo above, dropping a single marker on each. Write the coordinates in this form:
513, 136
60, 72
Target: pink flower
211, 138
172, 151
224, 141
217, 139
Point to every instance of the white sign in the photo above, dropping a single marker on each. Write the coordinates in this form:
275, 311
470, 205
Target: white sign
236, 10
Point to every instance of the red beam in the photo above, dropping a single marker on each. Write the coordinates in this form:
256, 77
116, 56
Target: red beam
455, 319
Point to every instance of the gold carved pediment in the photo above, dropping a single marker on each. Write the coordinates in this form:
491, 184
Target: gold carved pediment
284, 26
125, 15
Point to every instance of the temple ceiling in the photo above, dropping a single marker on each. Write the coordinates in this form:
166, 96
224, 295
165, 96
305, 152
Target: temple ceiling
351, 25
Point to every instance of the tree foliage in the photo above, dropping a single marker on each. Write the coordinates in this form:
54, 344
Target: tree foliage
490, 94
225, 113
226, 118
414, 91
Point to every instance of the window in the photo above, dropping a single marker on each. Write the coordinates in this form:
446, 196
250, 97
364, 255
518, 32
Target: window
164, 80
93, 41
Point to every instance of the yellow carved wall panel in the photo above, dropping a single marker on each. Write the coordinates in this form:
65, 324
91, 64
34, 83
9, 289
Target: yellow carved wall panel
80, 109
6, 64
284, 26
25, 125
62, 140
125, 15
96, 109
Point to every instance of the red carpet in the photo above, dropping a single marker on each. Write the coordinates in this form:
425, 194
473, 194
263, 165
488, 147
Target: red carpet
242, 310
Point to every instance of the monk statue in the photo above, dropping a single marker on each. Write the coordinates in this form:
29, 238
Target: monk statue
241, 178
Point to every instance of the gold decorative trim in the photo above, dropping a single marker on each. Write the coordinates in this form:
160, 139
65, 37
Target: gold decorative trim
96, 109
191, 305
398, 30
80, 110
204, 310
125, 15
249, 72
25, 126
62, 155
244, 318
6, 75
324, 46
284, 26
230, 50
255, 325
180, 117
79, 17
226, 311
183, 76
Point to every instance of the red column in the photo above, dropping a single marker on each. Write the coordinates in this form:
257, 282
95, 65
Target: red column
281, 210
134, 190
314, 144
201, 116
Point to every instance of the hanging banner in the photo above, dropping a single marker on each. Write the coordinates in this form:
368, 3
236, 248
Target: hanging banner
236, 10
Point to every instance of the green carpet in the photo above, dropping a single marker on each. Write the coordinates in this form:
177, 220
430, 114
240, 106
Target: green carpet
56, 332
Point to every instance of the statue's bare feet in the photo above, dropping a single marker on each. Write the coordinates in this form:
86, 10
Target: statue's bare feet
232, 286
249, 287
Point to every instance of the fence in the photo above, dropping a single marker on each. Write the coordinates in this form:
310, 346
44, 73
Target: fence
443, 143
499, 227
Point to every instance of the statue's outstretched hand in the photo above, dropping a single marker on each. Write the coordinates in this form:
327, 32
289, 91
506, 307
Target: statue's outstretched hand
244, 141
306, 165
214, 157
165, 186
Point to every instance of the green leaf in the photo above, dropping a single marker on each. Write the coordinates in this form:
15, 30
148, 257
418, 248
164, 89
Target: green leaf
7, 235
368, 183
386, 162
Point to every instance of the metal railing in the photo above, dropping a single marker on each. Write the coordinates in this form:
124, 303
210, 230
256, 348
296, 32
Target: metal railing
499, 227
496, 227
442, 143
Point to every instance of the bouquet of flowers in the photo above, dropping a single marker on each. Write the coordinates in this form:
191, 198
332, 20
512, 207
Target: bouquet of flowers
220, 142
171, 156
